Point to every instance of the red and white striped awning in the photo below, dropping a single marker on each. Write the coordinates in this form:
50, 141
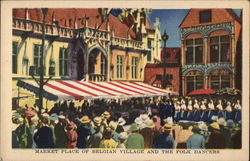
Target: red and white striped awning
77, 90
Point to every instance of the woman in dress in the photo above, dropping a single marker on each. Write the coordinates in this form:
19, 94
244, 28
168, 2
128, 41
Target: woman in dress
177, 116
183, 110
197, 115
204, 111
190, 114
237, 107
228, 113
211, 112
220, 110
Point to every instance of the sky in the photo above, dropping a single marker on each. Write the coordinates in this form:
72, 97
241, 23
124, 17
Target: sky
170, 20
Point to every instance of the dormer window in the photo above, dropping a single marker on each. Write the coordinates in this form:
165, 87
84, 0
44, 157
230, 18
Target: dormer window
205, 16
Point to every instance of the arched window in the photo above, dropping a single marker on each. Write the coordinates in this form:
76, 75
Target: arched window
220, 79
194, 80
63, 62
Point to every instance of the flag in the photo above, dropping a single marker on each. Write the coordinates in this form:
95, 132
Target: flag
123, 16
129, 20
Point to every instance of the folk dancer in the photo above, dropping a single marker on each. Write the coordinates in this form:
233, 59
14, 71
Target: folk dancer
237, 107
220, 110
190, 111
183, 110
204, 111
197, 115
177, 116
211, 112
228, 112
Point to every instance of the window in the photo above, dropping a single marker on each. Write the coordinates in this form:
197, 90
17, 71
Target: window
134, 67
149, 56
63, 62
205, 16
14, 56
119, 66
194, 51
194, 82
220, 79
103, 65
37, 57
219, 49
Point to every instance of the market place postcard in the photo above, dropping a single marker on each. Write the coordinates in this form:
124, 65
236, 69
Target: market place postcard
116, 80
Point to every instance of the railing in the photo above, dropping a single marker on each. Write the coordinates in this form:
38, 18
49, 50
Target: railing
36, 27
97, 77
127, 43
94, 33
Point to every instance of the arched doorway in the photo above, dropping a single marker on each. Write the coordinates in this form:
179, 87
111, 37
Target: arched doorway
97, 66
80, 65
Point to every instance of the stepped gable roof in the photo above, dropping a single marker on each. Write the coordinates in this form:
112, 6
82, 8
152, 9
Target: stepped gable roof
219, 16
66, 18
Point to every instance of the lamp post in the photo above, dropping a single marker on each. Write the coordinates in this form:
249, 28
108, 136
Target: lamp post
41, 72
41, 81
164, 38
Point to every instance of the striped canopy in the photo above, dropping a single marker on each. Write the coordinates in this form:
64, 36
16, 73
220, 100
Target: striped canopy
77, 90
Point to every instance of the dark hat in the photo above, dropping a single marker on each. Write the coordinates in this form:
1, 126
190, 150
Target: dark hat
196, 129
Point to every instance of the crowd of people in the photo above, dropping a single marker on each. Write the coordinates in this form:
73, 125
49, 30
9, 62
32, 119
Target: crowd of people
135, 123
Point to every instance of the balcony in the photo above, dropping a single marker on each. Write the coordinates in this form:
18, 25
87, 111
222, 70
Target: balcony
97, 77
127, 43
36, 27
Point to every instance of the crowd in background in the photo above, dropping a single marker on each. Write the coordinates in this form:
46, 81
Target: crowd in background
137, 123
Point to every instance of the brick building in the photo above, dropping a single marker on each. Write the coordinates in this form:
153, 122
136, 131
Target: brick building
154, 71
209, 42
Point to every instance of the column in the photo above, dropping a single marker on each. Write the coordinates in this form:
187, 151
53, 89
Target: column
182, 52
233, 49
87, 65
206, 82
233, 59
205, 40
108, 64
183, 85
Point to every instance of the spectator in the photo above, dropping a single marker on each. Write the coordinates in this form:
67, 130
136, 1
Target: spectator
164, 140
148, 134
196, 141
60, 133
83, 131
122, 139
135, 140
184, 134
216, 140
95, 138
107, 141
237, 138
24, 135
71, 136
44, 137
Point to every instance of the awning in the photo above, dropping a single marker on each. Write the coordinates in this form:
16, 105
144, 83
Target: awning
77, 90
